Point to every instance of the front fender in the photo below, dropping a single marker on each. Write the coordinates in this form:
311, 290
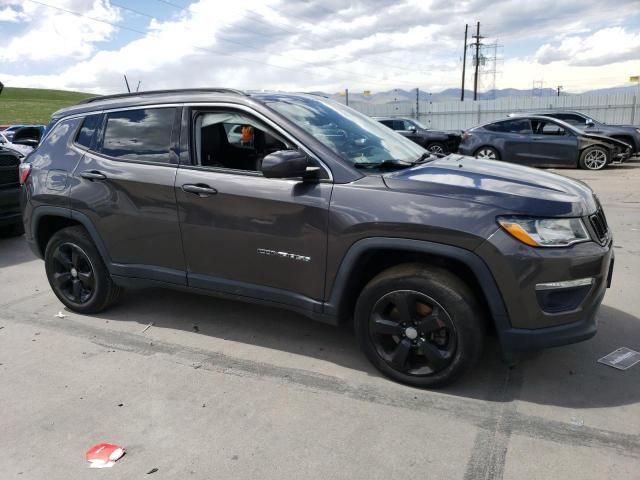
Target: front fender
339, 293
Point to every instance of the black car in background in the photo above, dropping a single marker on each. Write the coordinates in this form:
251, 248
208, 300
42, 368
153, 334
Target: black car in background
540, 141
627, 133
10, 216
433, 140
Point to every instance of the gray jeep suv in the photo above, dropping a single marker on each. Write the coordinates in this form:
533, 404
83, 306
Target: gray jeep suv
320, 210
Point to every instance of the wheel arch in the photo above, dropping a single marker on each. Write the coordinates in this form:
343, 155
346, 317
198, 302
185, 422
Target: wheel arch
46, 221
368, 257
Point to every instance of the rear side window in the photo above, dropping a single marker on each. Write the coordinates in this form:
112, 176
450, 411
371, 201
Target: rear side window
88, 130
139, 135
510, 126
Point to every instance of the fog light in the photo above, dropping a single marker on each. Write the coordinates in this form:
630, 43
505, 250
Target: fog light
581, 282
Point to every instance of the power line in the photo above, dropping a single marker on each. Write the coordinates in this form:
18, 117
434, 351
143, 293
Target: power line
217, 52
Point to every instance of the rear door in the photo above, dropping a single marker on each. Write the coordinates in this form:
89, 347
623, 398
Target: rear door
513, 138
125, 185
243, 233
552, 145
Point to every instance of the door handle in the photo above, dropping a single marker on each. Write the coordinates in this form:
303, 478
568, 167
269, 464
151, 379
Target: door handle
93, 175
201, 190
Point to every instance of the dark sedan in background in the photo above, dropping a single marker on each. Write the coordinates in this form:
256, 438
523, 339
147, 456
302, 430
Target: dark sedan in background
540, 141
627, 133
434, 141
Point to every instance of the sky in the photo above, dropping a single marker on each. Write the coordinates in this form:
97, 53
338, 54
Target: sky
310, 45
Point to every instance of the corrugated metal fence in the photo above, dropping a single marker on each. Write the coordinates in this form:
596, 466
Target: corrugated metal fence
622, 108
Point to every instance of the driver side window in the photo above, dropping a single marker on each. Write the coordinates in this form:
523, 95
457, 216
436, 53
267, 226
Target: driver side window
233, 140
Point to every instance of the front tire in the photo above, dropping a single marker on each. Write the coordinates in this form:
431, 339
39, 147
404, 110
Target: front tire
419, 325
594, 158
76, 272
437, 147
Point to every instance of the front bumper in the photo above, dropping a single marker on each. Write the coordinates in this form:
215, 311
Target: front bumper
10, 206
557, 317
620, 155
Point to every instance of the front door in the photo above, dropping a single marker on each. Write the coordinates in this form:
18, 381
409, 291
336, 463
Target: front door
243, 233
552, 145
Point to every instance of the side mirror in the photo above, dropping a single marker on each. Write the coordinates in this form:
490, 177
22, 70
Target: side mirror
412, 129
588, 122
285, 164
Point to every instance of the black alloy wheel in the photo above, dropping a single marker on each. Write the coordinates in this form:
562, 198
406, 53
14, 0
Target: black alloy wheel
419, 324
73, 274
77, 273
412, 333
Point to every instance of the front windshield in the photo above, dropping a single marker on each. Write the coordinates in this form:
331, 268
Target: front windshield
352, 135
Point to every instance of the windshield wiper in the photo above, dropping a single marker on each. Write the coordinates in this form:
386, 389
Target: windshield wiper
391, 163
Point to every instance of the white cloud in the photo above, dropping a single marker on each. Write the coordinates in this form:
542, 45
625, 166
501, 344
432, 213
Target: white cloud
53, 33
291, 45
10, 14
603, 47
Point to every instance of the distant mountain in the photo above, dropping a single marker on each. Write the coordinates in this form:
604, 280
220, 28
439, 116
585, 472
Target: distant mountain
400, 95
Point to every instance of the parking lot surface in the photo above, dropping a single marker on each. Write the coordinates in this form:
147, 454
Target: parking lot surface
216, 389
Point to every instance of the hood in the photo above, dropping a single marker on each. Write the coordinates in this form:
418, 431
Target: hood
606, 139
512, 188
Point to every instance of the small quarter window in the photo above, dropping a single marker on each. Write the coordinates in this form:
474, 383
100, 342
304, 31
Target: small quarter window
139, 135
88, 130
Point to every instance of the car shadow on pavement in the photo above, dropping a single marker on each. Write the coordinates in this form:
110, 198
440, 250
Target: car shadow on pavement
566, 376
14, 250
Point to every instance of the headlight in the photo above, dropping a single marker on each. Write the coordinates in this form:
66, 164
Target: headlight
545, 232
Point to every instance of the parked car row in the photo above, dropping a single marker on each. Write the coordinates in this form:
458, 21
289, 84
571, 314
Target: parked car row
543, 139
16, 143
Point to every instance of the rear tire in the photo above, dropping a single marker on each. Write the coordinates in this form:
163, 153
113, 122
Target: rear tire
76, 272
419, 325
594, 158
487, 153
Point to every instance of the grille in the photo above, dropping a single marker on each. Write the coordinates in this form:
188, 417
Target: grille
9, 170
8, 160
599, 225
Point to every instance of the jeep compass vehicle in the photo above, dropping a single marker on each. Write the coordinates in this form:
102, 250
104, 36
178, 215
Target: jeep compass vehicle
325, 212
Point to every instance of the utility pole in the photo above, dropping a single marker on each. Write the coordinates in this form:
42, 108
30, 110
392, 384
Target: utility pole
138, 87
464, 61
560, 87
417, 104
346, 96
477, 62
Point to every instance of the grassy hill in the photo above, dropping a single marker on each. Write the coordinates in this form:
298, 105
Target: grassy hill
34, 105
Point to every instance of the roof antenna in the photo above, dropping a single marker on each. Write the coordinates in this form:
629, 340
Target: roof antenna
127, 82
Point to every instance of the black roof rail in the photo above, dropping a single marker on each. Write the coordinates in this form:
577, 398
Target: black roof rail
162, 92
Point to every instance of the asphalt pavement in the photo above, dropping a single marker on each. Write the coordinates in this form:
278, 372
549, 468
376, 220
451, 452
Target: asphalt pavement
223, 390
